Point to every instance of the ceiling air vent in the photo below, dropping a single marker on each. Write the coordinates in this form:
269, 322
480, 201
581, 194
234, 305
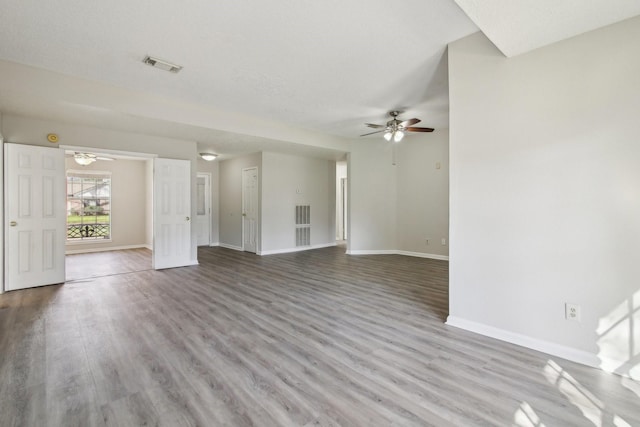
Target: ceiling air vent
163, 65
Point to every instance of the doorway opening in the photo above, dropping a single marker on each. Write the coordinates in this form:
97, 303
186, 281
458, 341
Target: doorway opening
342, 203
250, 210
203, 208
159, 207
109, 210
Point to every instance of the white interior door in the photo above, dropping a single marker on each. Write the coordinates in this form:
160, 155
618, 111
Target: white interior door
35, 215
249, 209
203, 209
171, 213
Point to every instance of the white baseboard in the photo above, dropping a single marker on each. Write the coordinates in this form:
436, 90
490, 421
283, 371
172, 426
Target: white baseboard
214, 244
424, 255
106, 249
373, 252
235, 248
149, 246
398, 252
297, 249
569, 353
190, 263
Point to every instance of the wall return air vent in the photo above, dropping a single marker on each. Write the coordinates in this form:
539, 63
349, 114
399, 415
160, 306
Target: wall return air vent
161, 64
303, 225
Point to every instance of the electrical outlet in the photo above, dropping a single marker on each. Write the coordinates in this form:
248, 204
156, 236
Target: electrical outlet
444, 241
572, 312
426, 240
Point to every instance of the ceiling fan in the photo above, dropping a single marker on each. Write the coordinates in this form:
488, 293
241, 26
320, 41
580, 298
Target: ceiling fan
85, 159
395, 128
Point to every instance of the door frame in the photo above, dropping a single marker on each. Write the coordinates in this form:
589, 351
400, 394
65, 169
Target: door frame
207, 203
344, 200
131, 154
257, 196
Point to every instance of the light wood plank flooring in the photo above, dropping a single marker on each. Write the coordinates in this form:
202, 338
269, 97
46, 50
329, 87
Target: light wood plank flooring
313, 338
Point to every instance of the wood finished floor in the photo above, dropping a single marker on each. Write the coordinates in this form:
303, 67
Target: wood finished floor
99, 264
314, 338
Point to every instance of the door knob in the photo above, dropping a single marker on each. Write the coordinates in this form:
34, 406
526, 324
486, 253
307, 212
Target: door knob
13, 223
188, 219
244, 214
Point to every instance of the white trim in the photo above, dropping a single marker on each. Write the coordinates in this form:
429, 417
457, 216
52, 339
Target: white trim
111, 248
70, 242
398, 252
208, 200
296, 249
190, 263
235, 248
372, 252
128, 155
558, 350
148, 246
259, 208
214, 244
424, 255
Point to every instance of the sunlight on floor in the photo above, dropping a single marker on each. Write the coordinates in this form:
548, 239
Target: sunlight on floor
619, 422
591, 407
525, 416
619, 338
632, 385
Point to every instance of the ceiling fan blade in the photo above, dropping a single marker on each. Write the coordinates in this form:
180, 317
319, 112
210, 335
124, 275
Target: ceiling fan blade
105, 158
415, 129
371, 133
410, 122
371, 125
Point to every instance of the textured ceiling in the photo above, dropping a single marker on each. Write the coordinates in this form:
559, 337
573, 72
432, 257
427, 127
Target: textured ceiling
294, 75
519, 26
324, 66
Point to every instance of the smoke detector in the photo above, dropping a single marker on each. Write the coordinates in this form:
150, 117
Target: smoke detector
162, 64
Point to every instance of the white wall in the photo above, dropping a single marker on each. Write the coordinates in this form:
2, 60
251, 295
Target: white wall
372, 197
128, 202
213, 169
545, 204
230, 175
1, 206
395, 208
32, 131
288, 181
422, 205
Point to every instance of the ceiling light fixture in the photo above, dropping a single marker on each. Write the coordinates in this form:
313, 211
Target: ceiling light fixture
395, 134
84, 159
208, 156
161, 64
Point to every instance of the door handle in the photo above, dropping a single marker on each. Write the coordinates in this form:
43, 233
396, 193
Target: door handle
244, 214
13, 223
188, 219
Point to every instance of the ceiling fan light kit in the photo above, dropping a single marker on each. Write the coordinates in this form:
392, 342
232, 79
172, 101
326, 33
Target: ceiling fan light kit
395, 129
208, 156
84, 159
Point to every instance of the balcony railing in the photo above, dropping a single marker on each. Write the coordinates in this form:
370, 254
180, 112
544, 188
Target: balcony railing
88, 231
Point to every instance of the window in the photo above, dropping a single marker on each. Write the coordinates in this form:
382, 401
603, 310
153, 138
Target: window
88, 206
